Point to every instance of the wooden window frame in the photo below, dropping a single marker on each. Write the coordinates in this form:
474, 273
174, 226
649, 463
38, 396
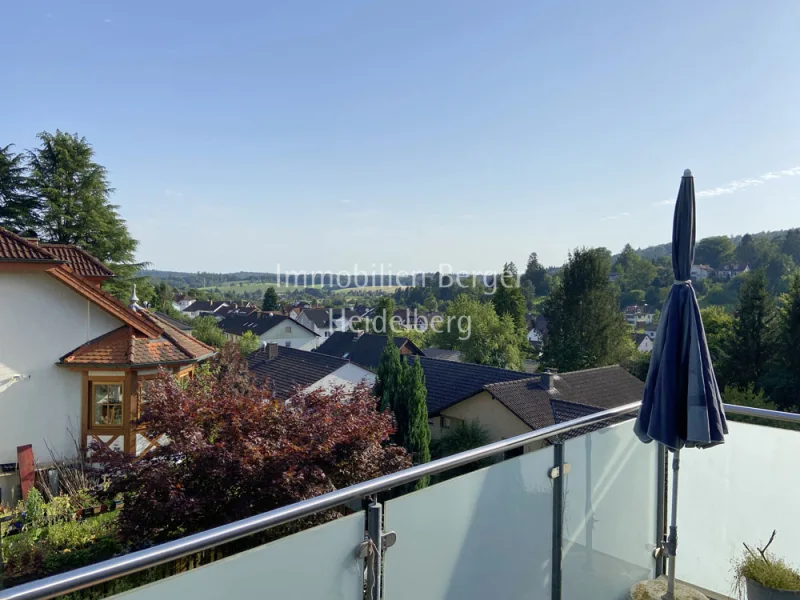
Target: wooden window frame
93, 425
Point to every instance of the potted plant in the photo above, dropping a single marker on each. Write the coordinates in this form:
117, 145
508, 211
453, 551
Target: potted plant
764, 576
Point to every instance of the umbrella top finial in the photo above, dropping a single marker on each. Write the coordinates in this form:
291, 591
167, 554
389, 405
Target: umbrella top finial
687, 173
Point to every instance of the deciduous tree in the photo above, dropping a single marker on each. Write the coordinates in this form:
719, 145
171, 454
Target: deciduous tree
206, 330
480, 334
235, 452
508, 298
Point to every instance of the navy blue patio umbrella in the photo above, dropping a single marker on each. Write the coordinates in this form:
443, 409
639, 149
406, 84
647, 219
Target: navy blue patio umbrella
682, 406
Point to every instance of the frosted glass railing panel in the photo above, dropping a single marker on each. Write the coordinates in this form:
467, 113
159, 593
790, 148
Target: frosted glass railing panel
484, 535
610, 513
733, 493
319, 563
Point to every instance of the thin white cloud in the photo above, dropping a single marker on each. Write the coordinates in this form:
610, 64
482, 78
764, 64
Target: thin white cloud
173, 193
347, 201
467, 217
106, 20
733, 186
741, 184
621, 215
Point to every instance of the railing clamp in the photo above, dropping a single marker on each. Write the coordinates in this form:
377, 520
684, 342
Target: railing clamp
555, 472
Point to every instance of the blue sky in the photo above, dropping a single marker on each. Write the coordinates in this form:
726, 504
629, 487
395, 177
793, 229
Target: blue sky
320, 135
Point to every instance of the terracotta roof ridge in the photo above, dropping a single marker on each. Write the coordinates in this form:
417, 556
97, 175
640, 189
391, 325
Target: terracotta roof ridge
89, 256
171, 337
129, 351
30, 246
95, 340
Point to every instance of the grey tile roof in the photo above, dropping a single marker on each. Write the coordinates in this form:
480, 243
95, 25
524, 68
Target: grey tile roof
291, 370
364, 350
443, 354
321, 317
450, 382
593, 389
259, 323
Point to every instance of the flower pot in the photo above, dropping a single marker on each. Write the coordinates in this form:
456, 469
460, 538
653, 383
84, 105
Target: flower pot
756, 591
97, 509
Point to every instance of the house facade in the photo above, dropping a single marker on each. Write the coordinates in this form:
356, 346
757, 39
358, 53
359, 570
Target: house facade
204, 308
81, 356
510, 408
286, 371
700, 272
326, 321
271, 328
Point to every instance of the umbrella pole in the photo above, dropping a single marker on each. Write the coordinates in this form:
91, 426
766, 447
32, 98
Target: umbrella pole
672, 540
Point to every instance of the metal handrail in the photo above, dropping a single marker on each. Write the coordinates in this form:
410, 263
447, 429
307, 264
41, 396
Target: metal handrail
763, 413
84, 577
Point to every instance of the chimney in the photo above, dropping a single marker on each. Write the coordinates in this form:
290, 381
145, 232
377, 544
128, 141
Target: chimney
549, 379
272, 351
32, 240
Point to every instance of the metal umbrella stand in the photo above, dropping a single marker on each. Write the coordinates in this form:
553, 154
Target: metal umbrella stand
682, 406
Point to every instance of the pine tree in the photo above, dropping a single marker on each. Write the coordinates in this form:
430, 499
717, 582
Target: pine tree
74, 193
537, 275
584, 326
508, 298
270, 301
382, 316
787, 368
753, 342
18, 208
413, 397
387, 378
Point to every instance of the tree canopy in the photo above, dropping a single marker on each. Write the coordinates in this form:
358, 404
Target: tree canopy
270, 300
18, 207
480, 334
714, 251
234, 453
585, 328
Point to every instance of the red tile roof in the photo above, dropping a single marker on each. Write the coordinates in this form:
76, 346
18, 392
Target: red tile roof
17, 249
81, 261
123, 347
113, 348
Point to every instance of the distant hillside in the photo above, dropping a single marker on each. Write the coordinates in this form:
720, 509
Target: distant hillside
656, 252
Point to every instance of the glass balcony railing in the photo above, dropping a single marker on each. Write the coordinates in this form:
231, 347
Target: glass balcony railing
581, 518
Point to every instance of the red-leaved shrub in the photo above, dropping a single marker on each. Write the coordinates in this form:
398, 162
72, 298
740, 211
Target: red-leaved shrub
235, 452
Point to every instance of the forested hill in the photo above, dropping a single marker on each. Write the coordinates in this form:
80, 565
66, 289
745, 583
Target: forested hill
656, 252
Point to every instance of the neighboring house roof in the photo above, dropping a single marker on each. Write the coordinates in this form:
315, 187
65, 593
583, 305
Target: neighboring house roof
174, 322
638, 338
14, 248
451, 382
204, 306
603, 388
321, 317
365, 349
443, 354
259, 323
125, 347
651, 327
82, 262
142, 339
292, 369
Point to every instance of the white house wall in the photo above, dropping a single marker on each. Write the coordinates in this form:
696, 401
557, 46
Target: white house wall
40, 321
347, 376
300, 337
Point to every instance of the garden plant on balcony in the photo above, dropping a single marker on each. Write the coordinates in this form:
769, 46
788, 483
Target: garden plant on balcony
763, 576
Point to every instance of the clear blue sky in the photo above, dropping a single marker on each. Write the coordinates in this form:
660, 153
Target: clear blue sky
321, 134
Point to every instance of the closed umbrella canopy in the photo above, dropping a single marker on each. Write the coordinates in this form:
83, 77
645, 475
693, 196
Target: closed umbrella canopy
682, 405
